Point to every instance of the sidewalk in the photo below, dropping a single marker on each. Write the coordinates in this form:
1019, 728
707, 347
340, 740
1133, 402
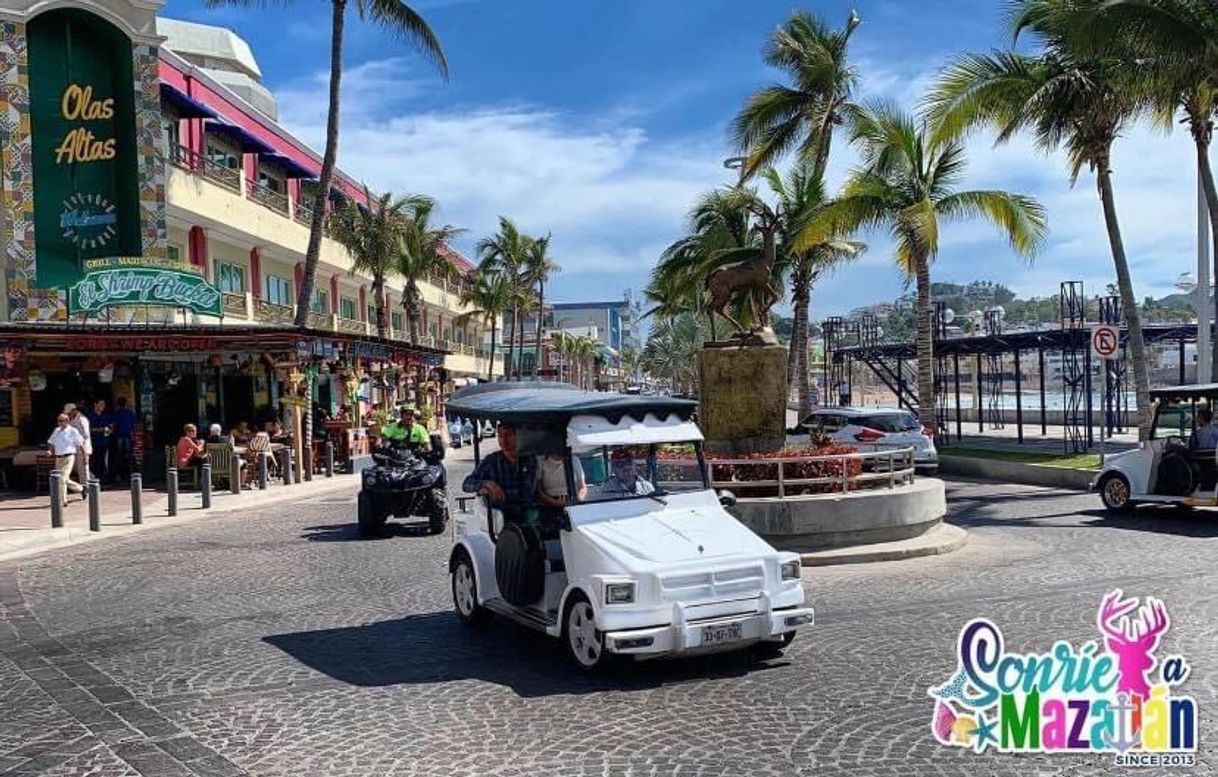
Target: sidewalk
25, 520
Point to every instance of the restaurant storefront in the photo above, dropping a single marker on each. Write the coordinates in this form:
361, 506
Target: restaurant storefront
95, 306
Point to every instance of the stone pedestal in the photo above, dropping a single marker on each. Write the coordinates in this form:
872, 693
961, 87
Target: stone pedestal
743, 389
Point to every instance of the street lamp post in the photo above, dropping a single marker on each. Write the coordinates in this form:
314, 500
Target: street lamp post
1200, 293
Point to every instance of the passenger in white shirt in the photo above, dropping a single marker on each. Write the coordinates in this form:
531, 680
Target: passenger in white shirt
64, 443
552, 481
80, 422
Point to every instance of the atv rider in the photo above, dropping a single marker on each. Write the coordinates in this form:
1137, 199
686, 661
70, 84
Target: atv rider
413, 435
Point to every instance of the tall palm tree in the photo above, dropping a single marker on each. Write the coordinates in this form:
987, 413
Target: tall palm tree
504, 252
538, 267
585, 350
421, 253
801, 202
907, 186
399, 19
372, 236
488, 296
1173, 47
630, 361
1069, 95
780, 118
671, 352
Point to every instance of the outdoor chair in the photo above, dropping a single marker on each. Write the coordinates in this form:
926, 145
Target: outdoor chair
186, 477
225, 464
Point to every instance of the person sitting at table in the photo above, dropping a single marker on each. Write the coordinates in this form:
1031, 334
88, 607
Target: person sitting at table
240, 433
216, 436
279, 434
191, 451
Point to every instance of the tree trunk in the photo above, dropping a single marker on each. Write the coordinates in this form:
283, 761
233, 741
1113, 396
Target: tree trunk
511, 345
926, 346
304, 295
490, 370
378, 299
541, 312
798, 356
1202, 136
1133, 318
410, 301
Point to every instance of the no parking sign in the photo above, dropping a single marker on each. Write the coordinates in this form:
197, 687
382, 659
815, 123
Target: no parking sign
1105, 340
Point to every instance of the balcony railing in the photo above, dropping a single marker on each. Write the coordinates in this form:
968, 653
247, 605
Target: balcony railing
268, 197
351, 325
318, 320
197, 164
233, 304
270, 313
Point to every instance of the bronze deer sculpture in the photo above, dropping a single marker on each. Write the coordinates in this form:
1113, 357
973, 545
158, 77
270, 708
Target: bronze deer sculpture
753, 276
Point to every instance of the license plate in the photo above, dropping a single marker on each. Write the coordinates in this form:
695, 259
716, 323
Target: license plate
719, 635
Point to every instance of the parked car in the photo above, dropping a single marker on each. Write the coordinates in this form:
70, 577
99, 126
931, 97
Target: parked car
877, 427
1169, 468
645, 561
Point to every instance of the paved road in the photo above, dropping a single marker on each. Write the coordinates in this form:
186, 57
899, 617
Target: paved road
282, 645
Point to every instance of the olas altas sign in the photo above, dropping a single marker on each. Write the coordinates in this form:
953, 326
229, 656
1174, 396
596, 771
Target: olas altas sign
82, 118
118, 282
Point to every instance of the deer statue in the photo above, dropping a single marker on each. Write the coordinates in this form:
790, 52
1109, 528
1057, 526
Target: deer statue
752, 275
1132, 640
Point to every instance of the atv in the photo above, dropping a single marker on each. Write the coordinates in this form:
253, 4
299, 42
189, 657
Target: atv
404, 483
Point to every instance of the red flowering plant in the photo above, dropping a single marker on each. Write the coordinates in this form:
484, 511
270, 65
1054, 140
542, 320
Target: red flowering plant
821, 461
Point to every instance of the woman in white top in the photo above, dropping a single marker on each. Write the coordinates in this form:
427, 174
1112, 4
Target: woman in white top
552, 481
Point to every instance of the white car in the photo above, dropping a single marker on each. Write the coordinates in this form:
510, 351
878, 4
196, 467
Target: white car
645, 561
877, 427
1170, 468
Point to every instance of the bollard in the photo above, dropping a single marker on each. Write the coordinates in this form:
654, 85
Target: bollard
205, 485
56, 502
235, 475
287, 467
329, 458
94, 490
263, 473
137, 498
171, 489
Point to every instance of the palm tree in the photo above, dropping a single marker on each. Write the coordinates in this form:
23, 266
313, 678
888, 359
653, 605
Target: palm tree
422, 253
1068, 95
392, 15
630, 361
1174, 45
801, 203
538, 267
779, 118
907, 185
585, 350
671, 352
488, 296
504, 252
371, 236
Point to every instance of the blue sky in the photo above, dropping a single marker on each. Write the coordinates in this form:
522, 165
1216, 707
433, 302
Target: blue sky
600, 121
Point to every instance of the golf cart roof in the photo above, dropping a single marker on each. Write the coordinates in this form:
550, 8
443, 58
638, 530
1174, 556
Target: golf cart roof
1184, 392
555, 404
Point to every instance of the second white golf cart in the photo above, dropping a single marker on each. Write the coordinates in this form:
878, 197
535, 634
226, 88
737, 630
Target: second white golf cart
642, 559
1178, 465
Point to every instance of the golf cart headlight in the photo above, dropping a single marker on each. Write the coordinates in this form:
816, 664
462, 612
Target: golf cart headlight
789, 570
619, 593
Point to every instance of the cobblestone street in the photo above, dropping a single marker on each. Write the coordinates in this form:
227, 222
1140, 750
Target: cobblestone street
281, 644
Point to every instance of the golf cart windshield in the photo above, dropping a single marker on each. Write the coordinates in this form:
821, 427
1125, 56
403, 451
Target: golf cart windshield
617, 472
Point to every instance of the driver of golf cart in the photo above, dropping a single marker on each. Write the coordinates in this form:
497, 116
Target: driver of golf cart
501, 478
1205, 436
625, 477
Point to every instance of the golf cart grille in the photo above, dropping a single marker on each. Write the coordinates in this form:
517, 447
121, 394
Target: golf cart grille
741, 581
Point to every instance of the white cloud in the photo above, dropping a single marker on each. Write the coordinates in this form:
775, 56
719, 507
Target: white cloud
612, 196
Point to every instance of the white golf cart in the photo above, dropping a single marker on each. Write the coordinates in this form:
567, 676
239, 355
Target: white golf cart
644, 561
1170, 468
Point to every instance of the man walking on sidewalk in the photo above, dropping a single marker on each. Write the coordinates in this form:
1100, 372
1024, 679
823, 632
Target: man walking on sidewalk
80, 423
65, 441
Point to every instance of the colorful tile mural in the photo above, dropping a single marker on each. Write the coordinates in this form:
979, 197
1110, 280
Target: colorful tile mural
26, 302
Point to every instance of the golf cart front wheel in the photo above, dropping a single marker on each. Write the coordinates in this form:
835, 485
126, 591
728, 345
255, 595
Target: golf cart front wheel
1114, 492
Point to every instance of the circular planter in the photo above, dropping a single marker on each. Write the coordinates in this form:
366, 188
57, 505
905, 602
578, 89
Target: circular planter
822, 521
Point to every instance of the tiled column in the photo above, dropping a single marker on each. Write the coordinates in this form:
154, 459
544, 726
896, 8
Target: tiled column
16, 174
150, 142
